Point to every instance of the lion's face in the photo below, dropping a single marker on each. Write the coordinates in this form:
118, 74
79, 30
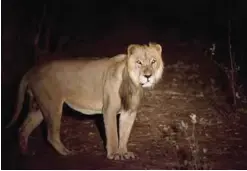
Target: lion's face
145, 64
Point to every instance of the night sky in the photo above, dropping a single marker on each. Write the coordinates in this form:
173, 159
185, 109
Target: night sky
206, 16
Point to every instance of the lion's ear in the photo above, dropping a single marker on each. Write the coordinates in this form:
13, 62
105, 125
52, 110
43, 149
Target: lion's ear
156, 46
132, 48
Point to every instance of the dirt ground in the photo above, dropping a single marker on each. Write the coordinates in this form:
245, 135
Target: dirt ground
183, 123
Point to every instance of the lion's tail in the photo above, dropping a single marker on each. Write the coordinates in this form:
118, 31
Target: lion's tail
20, 99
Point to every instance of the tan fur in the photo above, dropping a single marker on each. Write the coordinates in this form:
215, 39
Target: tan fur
109, 86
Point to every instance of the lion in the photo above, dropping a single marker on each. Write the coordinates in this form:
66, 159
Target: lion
109, 86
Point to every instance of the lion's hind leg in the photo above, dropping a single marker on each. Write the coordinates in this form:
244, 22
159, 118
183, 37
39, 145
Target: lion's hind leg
34, 118
53, 121
54, 135
51, 104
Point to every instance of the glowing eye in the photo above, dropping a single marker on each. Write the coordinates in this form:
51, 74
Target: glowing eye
139, 62
153, 61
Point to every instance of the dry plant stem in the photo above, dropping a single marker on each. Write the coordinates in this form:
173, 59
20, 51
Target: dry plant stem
195, 146
232, 72
192, 143
175, 151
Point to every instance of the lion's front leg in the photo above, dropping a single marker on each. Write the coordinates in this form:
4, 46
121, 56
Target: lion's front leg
110, 122
125, 125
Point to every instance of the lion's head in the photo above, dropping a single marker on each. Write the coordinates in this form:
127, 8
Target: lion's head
145, 65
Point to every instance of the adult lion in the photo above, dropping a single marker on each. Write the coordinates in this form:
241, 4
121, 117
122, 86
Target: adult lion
109, 86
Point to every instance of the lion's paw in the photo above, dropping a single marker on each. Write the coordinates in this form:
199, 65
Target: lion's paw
122, 156
67, 152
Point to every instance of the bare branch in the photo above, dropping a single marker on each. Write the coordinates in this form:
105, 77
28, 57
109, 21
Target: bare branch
232, 71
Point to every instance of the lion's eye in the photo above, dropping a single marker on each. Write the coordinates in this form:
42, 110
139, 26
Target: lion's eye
153, 61
139, 62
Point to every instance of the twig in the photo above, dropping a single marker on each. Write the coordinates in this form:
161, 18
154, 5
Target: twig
232, 71
37, 37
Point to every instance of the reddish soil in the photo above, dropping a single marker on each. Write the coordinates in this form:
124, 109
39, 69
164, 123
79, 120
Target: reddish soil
162, 134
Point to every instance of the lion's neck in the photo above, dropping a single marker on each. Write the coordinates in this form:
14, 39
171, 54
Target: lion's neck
130, 93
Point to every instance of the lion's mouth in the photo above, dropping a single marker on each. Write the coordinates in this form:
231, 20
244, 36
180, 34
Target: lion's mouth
146, 84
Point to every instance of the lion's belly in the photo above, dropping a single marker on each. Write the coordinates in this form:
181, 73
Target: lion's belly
86, 106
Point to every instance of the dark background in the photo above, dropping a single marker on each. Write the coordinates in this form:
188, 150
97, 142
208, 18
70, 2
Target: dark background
107, 27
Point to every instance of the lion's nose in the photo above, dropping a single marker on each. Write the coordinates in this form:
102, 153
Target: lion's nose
147, 75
